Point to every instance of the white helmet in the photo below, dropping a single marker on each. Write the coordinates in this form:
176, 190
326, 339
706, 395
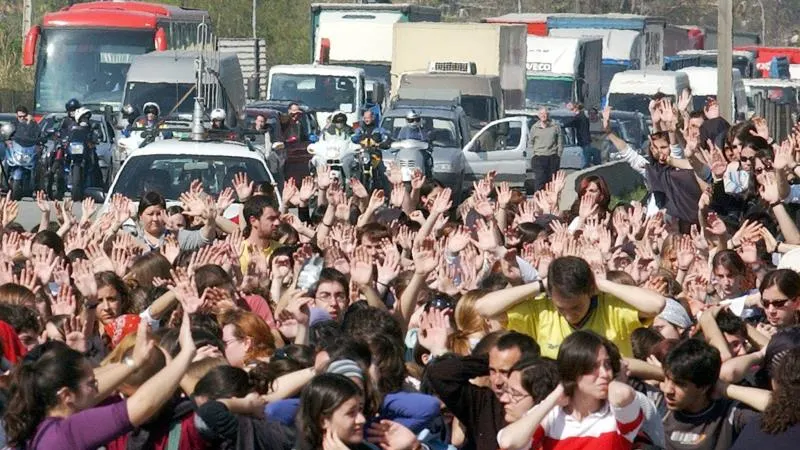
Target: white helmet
7, 130
151, 107
218, 114
81, 112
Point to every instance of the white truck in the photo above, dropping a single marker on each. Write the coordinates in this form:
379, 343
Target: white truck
494, 50
704, 85
632, 90
563, 70
340, 31
325, 89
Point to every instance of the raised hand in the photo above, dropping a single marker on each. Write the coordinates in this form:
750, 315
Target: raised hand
243, 186
588, 206
324, 178
84, 280
361, 267
425, 258
398, 195
225, 199
44, 263
358, 189
42, 203
289, 191
64, 302
442, 204
487, 238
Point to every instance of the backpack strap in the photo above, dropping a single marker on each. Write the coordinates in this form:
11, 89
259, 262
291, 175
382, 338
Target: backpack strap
174, 440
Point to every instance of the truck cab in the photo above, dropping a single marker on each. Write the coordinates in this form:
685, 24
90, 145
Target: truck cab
480, 95
704, 85
632, 90
325, 89
563, 70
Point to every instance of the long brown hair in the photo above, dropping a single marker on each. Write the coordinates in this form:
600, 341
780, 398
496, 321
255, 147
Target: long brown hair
249, 325
783, 411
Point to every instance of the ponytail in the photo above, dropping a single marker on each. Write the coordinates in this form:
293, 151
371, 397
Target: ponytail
34, 390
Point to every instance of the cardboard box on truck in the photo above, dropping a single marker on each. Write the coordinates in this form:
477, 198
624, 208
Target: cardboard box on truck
495, 49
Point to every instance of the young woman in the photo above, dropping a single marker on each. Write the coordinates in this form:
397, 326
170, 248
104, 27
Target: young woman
592, 202
52, 399
780, 290
151, 230
247, 338
589, 406
331, 414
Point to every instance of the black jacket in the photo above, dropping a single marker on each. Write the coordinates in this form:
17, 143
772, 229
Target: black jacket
26, 133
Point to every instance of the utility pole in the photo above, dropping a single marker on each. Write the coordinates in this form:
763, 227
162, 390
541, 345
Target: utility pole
255, 4
27, 10
725, 59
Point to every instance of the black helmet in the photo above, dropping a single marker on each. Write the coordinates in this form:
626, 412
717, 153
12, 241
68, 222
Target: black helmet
339, 118
72, 105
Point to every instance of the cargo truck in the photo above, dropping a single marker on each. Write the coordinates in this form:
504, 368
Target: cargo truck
629, 41
535, 23
744, 60
682, 37
482, 49
360, 35
704, 85
563, 70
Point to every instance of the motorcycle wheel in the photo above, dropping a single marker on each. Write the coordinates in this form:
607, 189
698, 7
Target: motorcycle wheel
56, 183
77, 183
16, 189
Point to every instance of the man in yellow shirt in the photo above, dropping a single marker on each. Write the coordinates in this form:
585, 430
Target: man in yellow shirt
262, 218
573, 300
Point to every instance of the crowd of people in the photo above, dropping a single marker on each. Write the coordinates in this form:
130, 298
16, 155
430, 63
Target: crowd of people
329, 317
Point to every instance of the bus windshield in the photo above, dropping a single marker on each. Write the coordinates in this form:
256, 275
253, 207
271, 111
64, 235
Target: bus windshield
89, 65
325, 93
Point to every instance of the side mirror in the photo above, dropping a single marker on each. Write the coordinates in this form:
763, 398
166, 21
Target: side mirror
311, 149
313, 138
96, 194
252, 87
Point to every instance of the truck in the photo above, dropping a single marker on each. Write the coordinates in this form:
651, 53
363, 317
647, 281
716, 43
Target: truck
340, 32
536, 23
740, 38
633, 90
744, 60
326, 89
563, 70
487, 49
704, 85
765, 56
629, 41
682, 37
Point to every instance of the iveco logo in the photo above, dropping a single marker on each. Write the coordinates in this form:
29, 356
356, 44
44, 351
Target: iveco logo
538, 67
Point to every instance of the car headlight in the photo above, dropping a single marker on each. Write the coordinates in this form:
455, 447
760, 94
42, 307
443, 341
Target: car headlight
443, 167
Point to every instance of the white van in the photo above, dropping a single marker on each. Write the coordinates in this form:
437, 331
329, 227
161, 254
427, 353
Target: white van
170, 79
704, 85
632, 90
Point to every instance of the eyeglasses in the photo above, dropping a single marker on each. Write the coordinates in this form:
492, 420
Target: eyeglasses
328, 297
749, 159
515, 396
21, 116
777, 304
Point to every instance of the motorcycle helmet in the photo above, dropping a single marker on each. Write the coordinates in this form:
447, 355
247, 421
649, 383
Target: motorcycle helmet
412, 116
218, 114
7, 130
339, 120
72, 105
152, 108
82, 115
130, 111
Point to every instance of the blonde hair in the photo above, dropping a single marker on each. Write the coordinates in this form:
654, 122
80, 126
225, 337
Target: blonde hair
468, 322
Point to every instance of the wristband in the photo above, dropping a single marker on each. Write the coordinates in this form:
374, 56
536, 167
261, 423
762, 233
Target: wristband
327, 225
774, 204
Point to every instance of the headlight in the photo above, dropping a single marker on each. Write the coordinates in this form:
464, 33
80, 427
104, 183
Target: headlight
76, 149
21, 158
443, 167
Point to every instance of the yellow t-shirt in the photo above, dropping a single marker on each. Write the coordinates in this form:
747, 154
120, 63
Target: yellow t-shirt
540, 319
244, 260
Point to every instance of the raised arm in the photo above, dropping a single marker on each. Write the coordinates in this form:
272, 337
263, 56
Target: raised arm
648, 303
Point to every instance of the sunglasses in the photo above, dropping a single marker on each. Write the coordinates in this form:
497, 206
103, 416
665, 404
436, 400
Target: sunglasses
439, 303
777, 304
21, 116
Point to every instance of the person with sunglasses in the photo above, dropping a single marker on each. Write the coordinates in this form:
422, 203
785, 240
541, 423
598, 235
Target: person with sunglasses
780, 290
26, 130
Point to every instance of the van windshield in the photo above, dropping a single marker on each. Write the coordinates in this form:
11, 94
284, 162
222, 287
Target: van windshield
632, 102
325, 93
166, 95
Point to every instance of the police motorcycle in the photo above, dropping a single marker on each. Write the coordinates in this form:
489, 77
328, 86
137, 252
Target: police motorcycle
334, 150
411, 150
77, 167
19, 165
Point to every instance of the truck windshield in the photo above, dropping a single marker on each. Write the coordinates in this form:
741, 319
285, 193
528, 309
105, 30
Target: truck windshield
443, 131
89, 65
479, 109
631, 102
548, 91
783, 95
166, 95
320, 92
739, 62
374, 71
607, 72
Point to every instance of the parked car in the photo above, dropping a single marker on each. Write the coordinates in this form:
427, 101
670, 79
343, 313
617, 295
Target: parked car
297, 154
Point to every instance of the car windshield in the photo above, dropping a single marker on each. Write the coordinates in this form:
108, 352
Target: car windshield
90, 65
319, 92
168, 95
547, 91
441, 132
631, 102
172, 175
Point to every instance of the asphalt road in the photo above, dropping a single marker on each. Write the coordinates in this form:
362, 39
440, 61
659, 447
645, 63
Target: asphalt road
29, 215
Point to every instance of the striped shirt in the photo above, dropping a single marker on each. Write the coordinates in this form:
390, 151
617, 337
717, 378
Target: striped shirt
610, 428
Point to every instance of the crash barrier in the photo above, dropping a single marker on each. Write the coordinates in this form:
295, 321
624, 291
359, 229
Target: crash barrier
619, 176
10, 99
780, 116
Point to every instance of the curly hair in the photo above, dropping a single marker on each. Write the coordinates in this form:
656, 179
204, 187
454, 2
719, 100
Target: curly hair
782, 411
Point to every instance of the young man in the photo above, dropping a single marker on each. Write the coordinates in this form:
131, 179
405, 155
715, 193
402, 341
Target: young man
262, 219
696, 420
478, 408
574, 300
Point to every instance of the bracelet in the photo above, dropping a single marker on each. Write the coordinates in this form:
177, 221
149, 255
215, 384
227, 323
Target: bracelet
382, 284
774, 204
683, 269
327, 225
